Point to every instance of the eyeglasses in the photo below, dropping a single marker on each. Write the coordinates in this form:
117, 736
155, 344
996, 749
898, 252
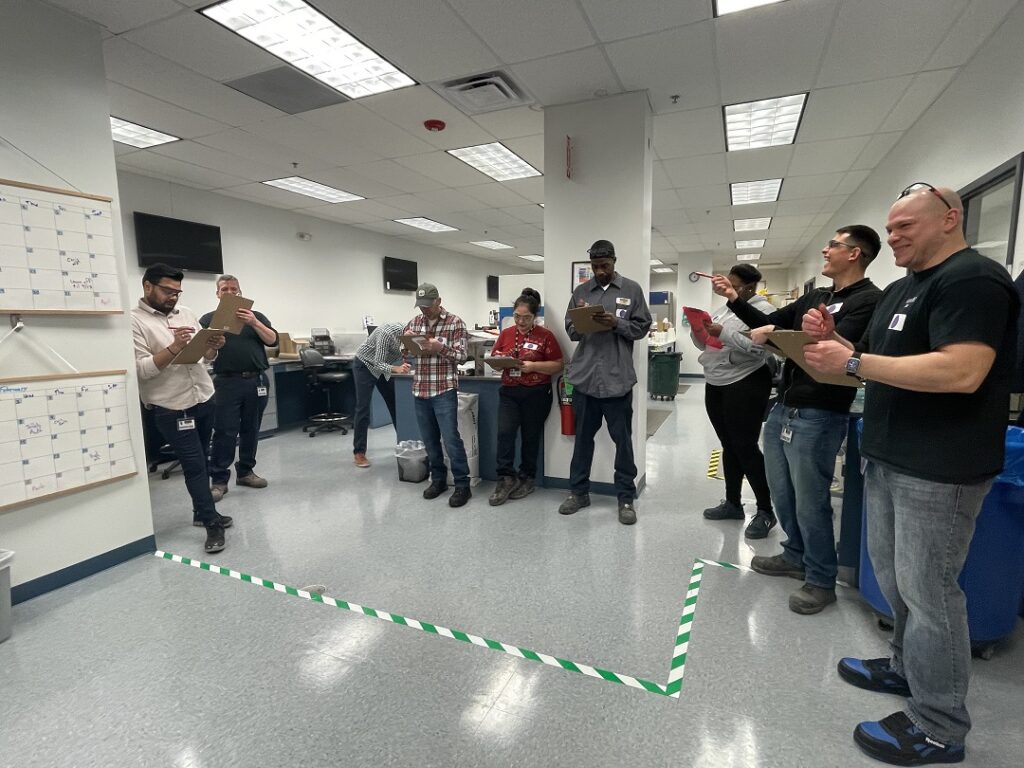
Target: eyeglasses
517, 317
924, 185
839, 244
168, 291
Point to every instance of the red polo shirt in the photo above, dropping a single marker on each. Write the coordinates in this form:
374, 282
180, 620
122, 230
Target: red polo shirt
538, 345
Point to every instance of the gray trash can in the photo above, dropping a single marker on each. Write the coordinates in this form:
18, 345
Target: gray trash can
6, 557
412, 461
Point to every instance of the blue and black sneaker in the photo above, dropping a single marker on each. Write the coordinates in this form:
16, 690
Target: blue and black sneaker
873, 675
897, 741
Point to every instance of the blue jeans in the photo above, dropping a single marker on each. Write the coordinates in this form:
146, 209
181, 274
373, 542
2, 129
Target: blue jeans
438, 418
365, 383
190, 447
919, 532
239, 414
617, 412
800, 478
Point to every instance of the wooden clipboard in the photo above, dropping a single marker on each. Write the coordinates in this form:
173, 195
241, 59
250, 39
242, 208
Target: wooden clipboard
503, 363
411, 344
196, 347
790, 344
583, 319
224, 316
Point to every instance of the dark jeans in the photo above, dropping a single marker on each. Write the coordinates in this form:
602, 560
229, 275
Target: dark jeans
239, 414
190, 447
526, 409
438, 418
736, 411
618, 413
365, 382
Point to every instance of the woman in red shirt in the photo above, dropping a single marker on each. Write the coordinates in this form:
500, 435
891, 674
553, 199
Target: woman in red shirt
524, 399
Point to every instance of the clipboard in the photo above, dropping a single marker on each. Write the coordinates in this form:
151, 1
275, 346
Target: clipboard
502, 363
224, 317
583, 318
791, 345
196, 347
411, 343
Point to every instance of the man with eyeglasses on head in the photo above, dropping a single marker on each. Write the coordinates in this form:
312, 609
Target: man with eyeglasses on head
806, 427
179, 394
937, 357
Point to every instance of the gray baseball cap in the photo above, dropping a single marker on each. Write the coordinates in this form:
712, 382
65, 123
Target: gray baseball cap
426, 295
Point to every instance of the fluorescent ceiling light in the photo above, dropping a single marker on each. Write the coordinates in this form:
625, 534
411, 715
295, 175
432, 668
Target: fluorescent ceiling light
723, 7
541, 204
750, 243
764, 123
496, 160
662, 269
748, 257
766, 191
137, 135
309, 188
742, 225
494, 245
531, 257
428, 224
656, 262
302, 36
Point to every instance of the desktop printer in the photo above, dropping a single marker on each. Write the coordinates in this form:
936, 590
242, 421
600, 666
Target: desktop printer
320, 339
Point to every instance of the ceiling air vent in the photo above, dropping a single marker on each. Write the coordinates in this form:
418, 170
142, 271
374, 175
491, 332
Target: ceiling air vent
487, 92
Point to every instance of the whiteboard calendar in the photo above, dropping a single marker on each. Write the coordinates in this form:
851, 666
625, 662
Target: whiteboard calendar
62, 433
56, 252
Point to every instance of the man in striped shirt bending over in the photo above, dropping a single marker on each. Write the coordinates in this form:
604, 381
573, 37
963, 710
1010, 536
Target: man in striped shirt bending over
377, 360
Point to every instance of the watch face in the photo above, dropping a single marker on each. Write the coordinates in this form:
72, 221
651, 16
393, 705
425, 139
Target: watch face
853, 366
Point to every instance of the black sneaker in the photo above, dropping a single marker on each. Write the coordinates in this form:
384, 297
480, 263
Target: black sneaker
434, 490
776, 565
758, 528
523, 489
873, 675
724, 511
502, 491
574, 503
459, 496
222, 520
897, 741
627, 514
214, 538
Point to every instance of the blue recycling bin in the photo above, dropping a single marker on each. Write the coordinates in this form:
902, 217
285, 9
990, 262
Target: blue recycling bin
993, 574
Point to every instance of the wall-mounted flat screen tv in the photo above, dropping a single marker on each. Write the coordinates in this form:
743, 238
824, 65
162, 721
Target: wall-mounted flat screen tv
186, 245
400, 275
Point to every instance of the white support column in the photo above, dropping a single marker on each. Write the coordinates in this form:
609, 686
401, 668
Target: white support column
608, 196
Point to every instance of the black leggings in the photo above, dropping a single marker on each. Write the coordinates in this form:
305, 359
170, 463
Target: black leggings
736, 411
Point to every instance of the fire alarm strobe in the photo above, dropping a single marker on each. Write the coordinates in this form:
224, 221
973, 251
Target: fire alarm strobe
434, 125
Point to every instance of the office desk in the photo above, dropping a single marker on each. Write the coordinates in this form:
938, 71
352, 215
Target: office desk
291, 401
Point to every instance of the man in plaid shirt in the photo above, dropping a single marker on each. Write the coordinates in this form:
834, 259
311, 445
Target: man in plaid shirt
435, 385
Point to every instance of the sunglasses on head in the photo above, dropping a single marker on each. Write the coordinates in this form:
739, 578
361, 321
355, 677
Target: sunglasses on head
918, 185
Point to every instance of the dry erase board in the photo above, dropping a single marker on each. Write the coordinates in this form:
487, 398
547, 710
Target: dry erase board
56, 252
62, 433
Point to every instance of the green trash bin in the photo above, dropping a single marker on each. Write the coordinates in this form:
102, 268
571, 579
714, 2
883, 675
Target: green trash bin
663, 375
6, 556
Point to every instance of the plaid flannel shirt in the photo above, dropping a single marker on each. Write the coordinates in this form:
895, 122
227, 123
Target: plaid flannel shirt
436, 374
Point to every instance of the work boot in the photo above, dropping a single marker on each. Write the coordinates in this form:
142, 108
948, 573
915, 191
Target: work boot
810, 599
360, 460
434, 490
502, 491
727, 510
460, 496
222, 520
574, 503
214, 538
252, 480
627, 513
217, 490
776, 565
523, 489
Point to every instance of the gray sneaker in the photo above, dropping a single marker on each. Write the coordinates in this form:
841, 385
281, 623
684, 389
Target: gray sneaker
811, 599
502, 490
523, 489
574, 503
776, 565
217, 490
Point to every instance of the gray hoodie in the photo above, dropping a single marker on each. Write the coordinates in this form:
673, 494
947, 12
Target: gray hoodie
739, 356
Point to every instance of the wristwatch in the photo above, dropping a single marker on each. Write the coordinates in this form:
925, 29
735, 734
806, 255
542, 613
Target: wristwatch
853, 366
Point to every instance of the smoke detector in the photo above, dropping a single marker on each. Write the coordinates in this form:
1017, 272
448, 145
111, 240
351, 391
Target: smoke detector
487, 92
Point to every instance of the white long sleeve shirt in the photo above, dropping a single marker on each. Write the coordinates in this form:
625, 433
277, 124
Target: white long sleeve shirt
176, 387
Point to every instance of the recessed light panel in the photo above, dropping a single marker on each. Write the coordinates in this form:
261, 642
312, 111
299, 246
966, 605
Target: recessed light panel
765, 123
656, 262
496, 160
137, 135
428, 224
662, 269
724, 7
494, 245
309, 188
748, 257
297, 33
743, 225
532, 257
765, 191
750, 243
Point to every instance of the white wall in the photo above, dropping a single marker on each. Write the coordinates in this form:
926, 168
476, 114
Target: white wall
974, 126
330, 281
55, 131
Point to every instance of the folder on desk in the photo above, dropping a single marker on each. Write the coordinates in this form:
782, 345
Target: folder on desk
224, 316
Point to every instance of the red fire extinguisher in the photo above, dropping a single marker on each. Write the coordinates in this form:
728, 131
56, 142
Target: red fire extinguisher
565, 406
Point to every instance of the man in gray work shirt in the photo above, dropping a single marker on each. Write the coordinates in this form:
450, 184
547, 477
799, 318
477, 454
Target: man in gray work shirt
602, 376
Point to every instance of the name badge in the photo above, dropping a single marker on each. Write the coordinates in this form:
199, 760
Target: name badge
515, 373
621, 312
897, 322
261, 391
833, 308
787, 435
622, 300
184, 425
531, 345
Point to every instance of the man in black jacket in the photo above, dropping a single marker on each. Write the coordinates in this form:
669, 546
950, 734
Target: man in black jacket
805, 429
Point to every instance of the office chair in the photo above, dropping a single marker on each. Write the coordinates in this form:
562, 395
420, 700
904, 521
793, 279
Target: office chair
318, 378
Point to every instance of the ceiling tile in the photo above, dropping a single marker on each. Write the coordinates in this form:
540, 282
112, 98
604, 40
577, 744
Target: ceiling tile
874, 39
686, 172
522, 230
145, 110
789, 223
709, 196
661, 179
527, 29
850, 110
755, 164
532, 189
510, 123
799, 207
679, 62
333, 146
925, 89
351, 123
693, 132
409, 107
568, 77
530, 148
169, 168
394, 175
531, 214
204, 46
494, 218
614, 19
248, 145
216, 160
665, 200
444, 168
973, 27
818, 185
877, 148
672, 218
851, 182
267, 195
495, 195
120, 15
824, 156
772, 51
362, 211
352, 181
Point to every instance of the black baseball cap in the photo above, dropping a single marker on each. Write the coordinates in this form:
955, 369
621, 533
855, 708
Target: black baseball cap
602, 249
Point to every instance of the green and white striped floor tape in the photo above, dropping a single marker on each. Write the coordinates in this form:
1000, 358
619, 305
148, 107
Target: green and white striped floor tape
671, 689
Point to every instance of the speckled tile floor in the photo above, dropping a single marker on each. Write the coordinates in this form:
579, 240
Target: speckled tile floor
154, 663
